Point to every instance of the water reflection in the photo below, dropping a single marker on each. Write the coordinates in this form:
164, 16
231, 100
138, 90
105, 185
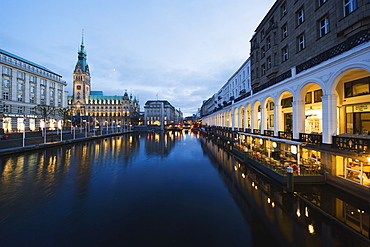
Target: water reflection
139, 190
292, 220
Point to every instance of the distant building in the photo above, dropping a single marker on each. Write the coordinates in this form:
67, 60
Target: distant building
25, 84
94, 105
161, 111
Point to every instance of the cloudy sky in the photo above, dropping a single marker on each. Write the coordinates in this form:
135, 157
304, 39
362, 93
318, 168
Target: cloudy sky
182, 50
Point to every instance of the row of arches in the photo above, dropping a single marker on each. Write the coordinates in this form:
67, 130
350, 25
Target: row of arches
329, 104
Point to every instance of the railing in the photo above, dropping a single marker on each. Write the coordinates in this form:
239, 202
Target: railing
310, 138
286, 135
351, 42
257, 131
273, 81
248, 130
361, 145
268, 132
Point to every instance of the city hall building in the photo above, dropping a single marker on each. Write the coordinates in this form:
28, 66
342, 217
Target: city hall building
24, 85
310, 84
95, 107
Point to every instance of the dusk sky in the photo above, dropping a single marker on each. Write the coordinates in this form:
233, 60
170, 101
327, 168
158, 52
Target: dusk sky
182, 50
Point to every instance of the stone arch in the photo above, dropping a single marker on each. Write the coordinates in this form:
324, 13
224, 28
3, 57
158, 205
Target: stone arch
352, 87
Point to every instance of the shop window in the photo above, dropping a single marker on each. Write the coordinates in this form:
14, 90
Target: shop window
308, 98
287, 102
317, 95
357, 87
357, 171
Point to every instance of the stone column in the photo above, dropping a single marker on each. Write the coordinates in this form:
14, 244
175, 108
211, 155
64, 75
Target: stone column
253, 120
263, 119
278, 119
329, 117
298, 118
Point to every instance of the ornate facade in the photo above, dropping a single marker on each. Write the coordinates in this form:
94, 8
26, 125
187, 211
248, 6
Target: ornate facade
310, 73
94, 106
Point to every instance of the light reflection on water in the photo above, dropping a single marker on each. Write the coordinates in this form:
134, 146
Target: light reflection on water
139, 190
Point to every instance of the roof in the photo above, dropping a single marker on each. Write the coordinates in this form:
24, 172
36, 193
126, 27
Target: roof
27, 61
96, 93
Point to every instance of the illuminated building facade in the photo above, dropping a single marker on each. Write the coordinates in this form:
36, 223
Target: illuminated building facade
310, 76
94, 106
25, 84
161, 111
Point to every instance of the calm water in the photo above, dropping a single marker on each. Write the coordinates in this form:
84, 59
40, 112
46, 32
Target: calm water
175, 189
140, 190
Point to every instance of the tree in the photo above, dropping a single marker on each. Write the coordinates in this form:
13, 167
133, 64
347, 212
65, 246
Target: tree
64, 114
45, 112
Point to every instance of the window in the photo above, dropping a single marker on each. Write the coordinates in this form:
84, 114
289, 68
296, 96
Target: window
20, 97
301, 43
284, 31
32, 88
6, 95
300, 16
263, 52
268, 42
32, 110
357, 87
42, 91
276, 62
285, 53
262, 34
287, 102
308, 98
283, 10
20, 86
321, 2
7, 71
317, 96
324, 26
20, 109
349, 6
263, 69
33, 79
43, 82
20, 75
6, 108
32, 99
6, 82
269, 63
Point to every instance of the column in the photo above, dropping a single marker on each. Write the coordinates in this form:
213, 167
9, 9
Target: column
278, 119
329, 117
253, 119
263, 119
298, 118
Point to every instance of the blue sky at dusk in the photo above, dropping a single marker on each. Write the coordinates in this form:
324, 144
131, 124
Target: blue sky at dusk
182, 50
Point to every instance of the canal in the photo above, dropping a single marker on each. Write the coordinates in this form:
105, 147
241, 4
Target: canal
172, 189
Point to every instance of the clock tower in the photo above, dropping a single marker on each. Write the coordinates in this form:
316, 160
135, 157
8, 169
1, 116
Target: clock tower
81, 82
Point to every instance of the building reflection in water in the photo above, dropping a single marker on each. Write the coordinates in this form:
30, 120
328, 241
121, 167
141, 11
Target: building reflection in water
315, 216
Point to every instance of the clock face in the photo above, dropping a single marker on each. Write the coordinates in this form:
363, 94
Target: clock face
78, 87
